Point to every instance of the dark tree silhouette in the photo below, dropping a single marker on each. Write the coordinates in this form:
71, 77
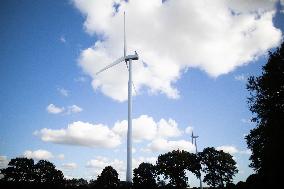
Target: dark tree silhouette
266, 102
219, 167
47, 173
19, 170
108, 178
76, 183
23, 173
145, 176
174, 164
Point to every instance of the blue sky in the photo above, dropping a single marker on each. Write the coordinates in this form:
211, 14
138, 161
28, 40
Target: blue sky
49, 51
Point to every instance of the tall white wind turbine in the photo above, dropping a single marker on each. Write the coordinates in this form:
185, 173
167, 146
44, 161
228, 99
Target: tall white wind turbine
194, 138
128, 60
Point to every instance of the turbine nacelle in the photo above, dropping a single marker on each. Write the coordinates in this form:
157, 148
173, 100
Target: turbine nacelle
132, 57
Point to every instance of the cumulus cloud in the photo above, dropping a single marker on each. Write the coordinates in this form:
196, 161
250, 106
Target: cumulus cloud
99, 135
168, 145
172, 36
52, 109
69, 166
145, 128
228, 149
137, 161
83, 134
100, 162
233, 150
189, 130
38, 154
74, 109
3, 162
63, 92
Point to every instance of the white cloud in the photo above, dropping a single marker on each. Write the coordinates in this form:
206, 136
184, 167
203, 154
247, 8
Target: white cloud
189, 130
3, 162
74, 109
63, 91
100, 162
228, 149
83, 134
51, 108
173, 36
69, 166
137, 161
38, 154
233, 150
168, 128
145, 128
165, 145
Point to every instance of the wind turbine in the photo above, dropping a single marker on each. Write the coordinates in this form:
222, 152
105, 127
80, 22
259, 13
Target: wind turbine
128, 60
194, 138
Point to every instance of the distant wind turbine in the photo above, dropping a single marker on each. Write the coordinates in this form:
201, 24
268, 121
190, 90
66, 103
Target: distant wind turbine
128, 60
194, 138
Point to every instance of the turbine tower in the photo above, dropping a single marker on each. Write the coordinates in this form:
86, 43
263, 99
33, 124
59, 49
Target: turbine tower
194, 138
128, 60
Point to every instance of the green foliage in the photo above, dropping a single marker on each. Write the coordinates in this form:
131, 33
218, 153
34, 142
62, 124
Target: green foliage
76, 183
145, 176
266, 102
24, 170
108, 178
174, 164
219, 167
19, 170
47, 173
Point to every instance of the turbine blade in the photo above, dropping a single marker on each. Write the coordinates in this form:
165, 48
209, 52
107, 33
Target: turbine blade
111, 65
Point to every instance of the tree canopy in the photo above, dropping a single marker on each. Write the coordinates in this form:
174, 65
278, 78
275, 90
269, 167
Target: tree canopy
174, 164
108, 178
24, 170
47, 173
219, 167
145, 176
19, 170
266, 102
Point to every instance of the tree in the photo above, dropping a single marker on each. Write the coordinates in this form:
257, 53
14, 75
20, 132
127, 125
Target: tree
174, 164
219, 167
77, 183
47, 173
108, 178
19, 170
144, 176
266, 102
24, 171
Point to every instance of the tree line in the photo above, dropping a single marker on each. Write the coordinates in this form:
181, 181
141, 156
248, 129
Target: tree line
168, 172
